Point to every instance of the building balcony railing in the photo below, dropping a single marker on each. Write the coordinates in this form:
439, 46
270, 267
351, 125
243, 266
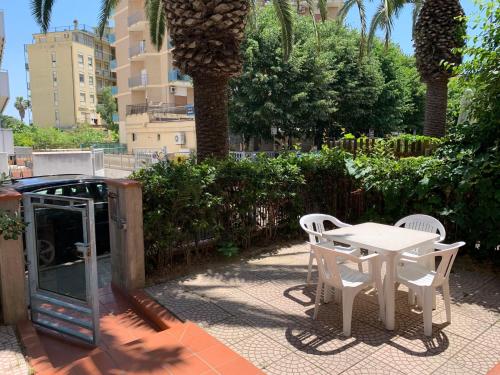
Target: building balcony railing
111, 38
138, 81
137, 49
176, 75
113, 64
114, 90
136, 17
161, 112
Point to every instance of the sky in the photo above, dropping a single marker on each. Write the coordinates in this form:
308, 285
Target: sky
19, 27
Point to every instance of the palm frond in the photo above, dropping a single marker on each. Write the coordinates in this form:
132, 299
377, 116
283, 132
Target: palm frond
362, 19
155, 13
342, 14
284, 12
107, 7
417, 6
323, 9
42, 11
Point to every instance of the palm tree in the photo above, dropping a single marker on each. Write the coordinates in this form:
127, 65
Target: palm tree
439, 32
383, 19
206, 36
22, 105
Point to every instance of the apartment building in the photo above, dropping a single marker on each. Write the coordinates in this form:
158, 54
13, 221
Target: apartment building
68, 69
4, 75
154, 99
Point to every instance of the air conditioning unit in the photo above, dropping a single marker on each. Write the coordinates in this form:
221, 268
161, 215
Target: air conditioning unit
180, 138
172, 89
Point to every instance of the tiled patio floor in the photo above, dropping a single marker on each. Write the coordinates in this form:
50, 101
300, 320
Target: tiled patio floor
262, 309
12, 360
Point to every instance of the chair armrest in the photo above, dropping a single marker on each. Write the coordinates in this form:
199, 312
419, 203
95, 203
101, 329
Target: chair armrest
369, 257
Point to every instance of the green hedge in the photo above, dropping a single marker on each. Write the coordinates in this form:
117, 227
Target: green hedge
244, 203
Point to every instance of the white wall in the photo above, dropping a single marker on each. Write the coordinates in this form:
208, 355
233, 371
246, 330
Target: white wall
7, 141
4, 163
64, 162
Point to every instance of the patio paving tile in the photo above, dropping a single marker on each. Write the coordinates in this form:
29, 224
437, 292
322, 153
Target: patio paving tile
260, 350
232, 330
461, 325
294, 364
268, 320
478, 357
409, 360
204, 315
453, 368
371, 366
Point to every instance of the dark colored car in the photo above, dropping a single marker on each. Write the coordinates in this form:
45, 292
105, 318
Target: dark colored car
59, 230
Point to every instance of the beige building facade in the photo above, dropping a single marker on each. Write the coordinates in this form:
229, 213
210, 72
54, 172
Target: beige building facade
4, 75
68, 68
154, 99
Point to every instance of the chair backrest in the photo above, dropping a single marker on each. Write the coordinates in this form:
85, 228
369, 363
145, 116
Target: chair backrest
424, 223
447, 253
314, 225
328, 266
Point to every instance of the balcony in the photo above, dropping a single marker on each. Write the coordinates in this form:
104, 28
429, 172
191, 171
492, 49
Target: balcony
138, 82
137, 50
113, 65
111, 38
177, 78
137, 21
161, 112
4, 89
114, 90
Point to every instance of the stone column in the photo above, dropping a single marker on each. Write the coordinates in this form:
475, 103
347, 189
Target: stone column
12, 266
126, 234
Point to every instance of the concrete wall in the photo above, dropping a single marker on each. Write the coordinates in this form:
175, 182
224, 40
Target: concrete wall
4, 163
7, 141
66, 162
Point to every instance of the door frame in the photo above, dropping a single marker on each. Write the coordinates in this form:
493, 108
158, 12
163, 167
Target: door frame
89, 307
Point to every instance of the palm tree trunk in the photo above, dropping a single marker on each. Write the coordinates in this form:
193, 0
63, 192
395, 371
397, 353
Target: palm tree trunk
436, 101
212, 123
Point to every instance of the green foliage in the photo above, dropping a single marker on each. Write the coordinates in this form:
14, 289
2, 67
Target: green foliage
107, 108
228, 249
317, 92
11, 225
52, 138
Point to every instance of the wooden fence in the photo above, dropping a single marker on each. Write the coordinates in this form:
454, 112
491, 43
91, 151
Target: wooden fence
402, 148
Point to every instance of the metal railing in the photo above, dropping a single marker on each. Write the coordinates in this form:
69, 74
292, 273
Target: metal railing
138, 81
136, 17
161, 112
176, 75
137, 49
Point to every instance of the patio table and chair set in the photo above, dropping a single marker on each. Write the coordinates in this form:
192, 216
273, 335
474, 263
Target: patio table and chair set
413, 254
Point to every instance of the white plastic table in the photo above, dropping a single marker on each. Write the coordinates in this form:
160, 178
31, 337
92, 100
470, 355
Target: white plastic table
389, 241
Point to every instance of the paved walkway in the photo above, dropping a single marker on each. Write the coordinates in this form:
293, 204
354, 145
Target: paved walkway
262, 310
12, 361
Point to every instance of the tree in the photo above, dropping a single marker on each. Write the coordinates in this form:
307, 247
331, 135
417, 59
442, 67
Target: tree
439, 33
22, 105
107, 108
316, 94
206, 36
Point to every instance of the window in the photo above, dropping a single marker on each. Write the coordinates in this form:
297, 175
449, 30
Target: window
80, 60
91, 81
158, 137
82, 97
90, 61
82, 79
92, 99
56, 101
54, 77
53, 59
105, 66
56, 115
133, 137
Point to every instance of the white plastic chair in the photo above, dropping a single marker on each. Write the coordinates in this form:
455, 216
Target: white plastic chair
341, 277
314, 226
423, 282
424, 223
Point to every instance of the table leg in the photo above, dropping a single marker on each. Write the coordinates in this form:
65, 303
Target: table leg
389, 292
